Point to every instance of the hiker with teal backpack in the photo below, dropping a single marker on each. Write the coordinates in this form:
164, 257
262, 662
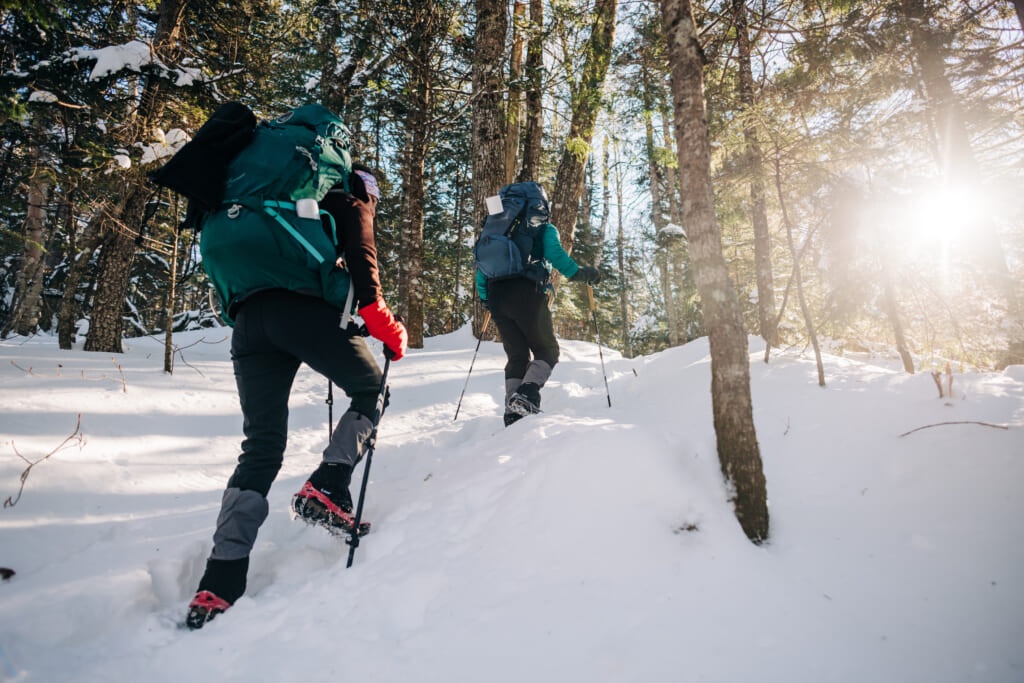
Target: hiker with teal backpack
514, 254
289, 246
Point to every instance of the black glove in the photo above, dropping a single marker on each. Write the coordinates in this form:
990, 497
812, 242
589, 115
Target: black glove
486, 305
587, 275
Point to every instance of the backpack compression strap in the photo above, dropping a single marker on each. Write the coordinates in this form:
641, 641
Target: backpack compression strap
270, 205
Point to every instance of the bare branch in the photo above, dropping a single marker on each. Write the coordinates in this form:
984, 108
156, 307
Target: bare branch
75, 437
958, 422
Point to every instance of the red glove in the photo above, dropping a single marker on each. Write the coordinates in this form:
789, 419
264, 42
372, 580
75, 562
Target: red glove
383, 326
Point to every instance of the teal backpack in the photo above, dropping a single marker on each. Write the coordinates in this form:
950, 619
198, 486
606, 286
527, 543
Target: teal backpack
265, 232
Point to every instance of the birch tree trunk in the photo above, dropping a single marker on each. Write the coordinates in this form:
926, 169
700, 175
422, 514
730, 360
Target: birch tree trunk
488, 129
627, 347
533, 139
586, 100
169, 309
738, 450
29, 284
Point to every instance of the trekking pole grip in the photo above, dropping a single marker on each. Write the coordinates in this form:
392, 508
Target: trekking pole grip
590, 295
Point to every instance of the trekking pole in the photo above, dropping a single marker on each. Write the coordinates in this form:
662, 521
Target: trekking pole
597, 334
487, 320
353, 539
330, 410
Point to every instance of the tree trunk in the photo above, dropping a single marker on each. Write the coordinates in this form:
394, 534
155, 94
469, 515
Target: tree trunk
488, 129
118, 249
671, 181
661, 257
70, 309
332, 89
606, 189
627, 347
892, 310
337, 77
738, 450
665, 278
586, 100
533, 140
676, 246
29, 286
169, 310
462, 234
587, 205
1018, 5
677, 252
753, 163
412, 286
808, 322
514, 111
117, 254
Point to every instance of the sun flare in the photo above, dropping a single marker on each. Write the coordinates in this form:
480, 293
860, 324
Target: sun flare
944, 214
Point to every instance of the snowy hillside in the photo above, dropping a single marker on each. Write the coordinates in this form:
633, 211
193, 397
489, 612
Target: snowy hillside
585, 544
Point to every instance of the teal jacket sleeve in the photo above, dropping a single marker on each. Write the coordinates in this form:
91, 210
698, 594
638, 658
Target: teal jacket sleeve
554, 253
481, 285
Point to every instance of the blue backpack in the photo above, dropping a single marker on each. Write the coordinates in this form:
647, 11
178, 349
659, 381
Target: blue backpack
504, 248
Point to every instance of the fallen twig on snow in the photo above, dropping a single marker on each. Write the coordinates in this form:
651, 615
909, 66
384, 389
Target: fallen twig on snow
75, 436
957, 422
124, 384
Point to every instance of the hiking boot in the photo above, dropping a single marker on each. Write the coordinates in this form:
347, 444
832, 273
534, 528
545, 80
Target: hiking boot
511, 417
222, 584
333, 512
203, 608
525, 401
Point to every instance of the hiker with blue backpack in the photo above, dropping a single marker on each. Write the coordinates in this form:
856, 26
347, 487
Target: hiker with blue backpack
287, 241
514, 254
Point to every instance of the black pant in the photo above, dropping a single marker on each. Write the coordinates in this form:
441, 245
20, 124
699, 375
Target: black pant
275, 332
520, 310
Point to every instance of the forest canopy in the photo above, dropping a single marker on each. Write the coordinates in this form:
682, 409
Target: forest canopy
866, 159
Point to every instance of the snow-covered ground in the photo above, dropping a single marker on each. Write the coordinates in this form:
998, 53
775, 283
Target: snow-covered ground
585, 544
